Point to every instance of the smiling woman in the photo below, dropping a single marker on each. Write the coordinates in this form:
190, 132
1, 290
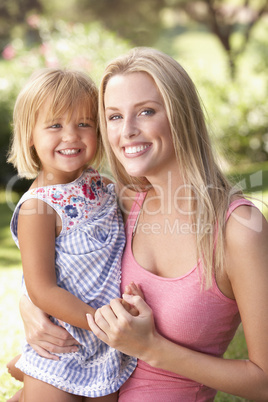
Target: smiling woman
137, 127
198, 281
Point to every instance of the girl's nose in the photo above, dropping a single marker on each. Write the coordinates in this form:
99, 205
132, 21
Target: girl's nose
70, 134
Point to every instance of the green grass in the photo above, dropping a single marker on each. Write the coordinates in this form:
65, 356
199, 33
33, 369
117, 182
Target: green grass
11, 328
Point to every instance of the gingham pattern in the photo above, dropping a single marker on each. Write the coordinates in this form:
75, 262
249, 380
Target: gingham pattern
88, 261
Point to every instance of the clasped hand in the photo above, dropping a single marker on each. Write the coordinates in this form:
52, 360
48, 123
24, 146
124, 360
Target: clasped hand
115, 325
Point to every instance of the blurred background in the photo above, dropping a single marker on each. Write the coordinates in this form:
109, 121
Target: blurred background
222, 44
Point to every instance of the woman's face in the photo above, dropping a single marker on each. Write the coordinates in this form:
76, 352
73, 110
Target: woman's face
137, 125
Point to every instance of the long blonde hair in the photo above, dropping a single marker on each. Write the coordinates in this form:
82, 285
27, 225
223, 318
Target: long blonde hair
66, 90
191, 143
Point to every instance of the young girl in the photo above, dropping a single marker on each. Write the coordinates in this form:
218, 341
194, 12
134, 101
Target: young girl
70, 233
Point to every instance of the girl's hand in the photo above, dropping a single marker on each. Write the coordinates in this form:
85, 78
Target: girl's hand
131, 335
132, 289
45, 337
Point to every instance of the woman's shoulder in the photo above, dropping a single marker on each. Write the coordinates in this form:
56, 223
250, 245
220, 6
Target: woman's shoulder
244, 216
246, 234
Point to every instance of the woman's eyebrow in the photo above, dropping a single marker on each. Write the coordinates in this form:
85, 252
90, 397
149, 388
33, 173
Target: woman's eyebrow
136, 104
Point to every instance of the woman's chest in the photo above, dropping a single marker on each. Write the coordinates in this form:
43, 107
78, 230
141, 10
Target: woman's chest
165, 248
184, 312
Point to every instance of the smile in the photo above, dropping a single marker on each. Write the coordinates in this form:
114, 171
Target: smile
136, 149
69, 151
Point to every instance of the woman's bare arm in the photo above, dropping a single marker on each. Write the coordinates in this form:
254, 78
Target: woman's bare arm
45, 337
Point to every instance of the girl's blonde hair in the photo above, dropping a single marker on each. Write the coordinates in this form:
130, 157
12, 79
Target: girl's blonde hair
66, 90
192, 145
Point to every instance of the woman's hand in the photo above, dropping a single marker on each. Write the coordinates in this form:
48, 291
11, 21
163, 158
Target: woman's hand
45, 337
131, 335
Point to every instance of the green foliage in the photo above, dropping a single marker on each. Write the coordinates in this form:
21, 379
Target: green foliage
12, 19
240, 119
237, 110
138, 21
83, 47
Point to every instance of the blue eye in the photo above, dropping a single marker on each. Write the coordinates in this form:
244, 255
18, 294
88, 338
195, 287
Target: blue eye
55, 126
115, 117
148, 112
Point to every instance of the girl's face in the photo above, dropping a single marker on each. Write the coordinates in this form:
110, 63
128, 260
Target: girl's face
64, 146
137, 126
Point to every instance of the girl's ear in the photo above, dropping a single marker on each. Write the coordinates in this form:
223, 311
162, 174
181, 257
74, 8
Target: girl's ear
31, 142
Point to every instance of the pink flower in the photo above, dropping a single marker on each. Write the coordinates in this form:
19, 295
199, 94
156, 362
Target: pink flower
51, 59
33, 21
88, 193
9, 52
44, 48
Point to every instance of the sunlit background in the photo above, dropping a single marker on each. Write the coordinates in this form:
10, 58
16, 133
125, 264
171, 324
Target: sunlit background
222, 44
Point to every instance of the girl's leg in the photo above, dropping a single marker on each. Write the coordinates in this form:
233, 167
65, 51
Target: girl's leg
14, 371
18, 375
36, 390
108, 398
16, 397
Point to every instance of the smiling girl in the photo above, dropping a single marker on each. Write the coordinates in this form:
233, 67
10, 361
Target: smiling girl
70, 233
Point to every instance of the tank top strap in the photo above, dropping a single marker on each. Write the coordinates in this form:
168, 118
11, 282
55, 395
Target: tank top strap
134, 214
237, 203
232, 206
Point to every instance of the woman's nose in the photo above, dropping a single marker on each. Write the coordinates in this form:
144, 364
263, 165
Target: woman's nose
130, 128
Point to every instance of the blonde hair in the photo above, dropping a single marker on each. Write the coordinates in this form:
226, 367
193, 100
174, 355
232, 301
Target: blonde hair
191, 142
65, 90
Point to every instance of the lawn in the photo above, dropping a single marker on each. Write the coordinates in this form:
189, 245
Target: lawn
254, 179
11, 328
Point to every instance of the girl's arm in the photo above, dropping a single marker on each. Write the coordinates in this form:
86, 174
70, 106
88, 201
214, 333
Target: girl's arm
246, 266
36, 234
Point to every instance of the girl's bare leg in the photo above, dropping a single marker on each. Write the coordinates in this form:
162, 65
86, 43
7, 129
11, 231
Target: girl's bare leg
14, 371
18, 375
16, 397
36, 390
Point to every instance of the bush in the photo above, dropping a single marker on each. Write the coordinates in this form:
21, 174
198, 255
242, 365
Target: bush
239, 113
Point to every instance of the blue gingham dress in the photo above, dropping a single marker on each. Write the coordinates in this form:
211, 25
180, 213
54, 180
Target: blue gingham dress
88, 264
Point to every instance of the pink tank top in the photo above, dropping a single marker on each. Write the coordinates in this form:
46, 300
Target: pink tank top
202, 320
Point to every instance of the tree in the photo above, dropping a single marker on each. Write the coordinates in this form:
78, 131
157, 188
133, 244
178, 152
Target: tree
142, 22
224, 19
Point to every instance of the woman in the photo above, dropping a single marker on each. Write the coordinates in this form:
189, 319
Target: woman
194, 244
